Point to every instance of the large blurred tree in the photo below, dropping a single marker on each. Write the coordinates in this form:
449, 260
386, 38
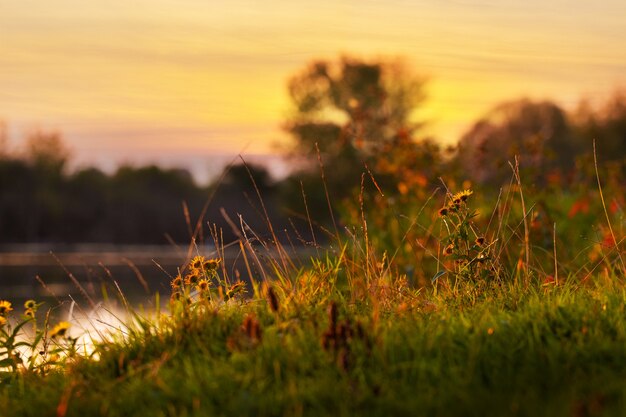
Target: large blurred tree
538, 133
359, 112
352, 108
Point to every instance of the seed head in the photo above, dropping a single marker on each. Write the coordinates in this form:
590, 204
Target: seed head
332, 315
272, 299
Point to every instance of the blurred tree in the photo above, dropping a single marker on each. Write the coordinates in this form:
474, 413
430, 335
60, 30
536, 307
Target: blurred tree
607, 125
351, 108
146, 203
236, 196
238, 176
46, 151
538, 133
359, 112
87, 196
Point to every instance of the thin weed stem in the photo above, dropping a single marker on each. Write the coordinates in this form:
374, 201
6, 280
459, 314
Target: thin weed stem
526, 229
330, 207
606, 213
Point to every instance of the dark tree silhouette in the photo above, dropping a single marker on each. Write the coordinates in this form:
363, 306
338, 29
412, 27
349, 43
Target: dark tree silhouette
539, 133
351, 108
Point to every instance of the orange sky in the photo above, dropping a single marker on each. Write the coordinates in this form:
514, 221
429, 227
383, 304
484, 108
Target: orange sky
159, 79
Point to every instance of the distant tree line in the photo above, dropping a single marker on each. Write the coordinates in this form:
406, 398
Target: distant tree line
355, 116
41, 201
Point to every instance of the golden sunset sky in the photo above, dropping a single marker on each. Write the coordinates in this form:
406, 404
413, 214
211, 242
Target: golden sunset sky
166, 80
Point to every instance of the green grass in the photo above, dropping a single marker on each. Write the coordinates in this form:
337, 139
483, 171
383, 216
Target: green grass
498, 351
354, 333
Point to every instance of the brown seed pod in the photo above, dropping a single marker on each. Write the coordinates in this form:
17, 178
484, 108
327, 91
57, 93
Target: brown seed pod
332, 314
272, 299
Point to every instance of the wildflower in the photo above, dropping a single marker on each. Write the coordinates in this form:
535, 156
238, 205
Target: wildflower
236, 288
197, 262
462, 195
60, 330
176, 296
479, 241
403, 188
203, 285
3, 321
550, 280
443, 212
448, 249
30, 305
5, 308
211, 264
176, 282
30, 313
192, 278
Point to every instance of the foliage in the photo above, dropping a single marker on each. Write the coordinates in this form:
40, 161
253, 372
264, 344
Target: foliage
36, 352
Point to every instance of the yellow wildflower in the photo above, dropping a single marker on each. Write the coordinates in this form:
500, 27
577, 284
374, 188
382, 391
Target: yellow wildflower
176, 282
29, 313
462, 195
192, 278
60, 330
211, 264
5, 308
197, 262
30, 305
3, 321
203, 285
236, 288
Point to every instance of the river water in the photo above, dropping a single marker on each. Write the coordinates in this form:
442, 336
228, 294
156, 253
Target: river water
95, 286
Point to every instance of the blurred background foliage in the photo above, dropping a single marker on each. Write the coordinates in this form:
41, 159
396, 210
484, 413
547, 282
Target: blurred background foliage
360, 118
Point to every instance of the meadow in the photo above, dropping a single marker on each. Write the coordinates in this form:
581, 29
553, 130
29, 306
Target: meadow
461, 301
